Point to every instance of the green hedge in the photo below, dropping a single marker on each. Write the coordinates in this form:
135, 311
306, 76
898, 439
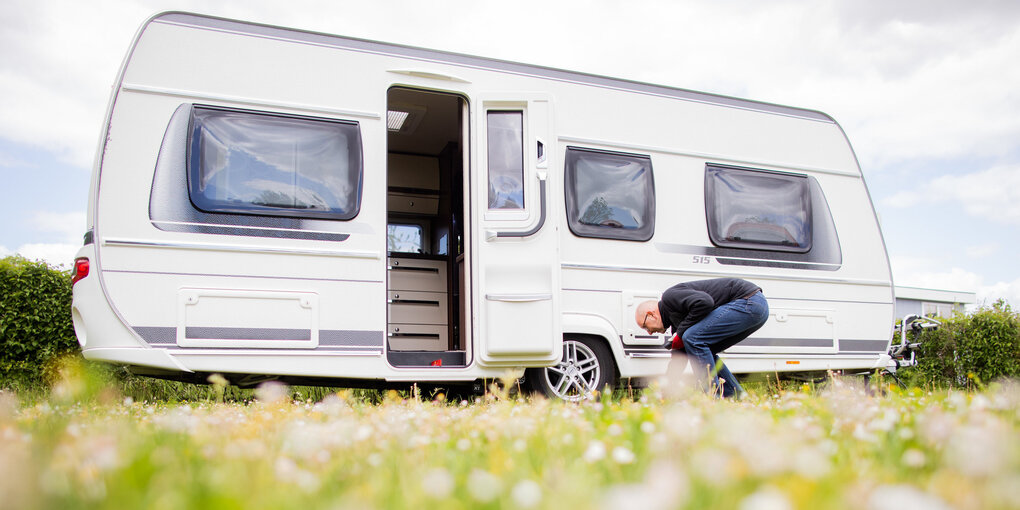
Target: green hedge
971, 350
35, 321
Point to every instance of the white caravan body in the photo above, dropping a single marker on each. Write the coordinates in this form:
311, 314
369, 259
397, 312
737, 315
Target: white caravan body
281, 203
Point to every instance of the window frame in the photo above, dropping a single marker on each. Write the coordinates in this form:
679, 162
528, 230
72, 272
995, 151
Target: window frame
641, 234
193, 167
422, 233
711, 211
516, 213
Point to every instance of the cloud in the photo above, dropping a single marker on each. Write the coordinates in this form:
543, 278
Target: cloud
68, 225
992, 194
10, 161
981, 251
55, 254
956, 279
1010, 291
925, 273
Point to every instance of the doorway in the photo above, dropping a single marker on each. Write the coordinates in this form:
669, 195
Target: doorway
425, 216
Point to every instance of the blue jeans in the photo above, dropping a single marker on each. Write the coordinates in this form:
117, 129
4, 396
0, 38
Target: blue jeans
723, 328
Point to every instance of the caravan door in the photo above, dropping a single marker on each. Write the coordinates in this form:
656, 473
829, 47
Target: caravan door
516, 298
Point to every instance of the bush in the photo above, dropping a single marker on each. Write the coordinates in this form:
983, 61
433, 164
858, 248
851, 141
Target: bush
35, 321
968, 351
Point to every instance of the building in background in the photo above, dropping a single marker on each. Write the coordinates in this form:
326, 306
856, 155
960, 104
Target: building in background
931, 302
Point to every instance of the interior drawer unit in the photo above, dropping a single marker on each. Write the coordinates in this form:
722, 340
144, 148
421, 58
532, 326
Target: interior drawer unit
417, 274
417, 337
412, 203
411, 307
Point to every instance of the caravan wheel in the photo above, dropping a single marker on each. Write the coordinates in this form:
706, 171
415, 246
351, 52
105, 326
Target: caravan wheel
586, 366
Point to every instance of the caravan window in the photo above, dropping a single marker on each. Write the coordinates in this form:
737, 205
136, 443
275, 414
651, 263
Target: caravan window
255, 163
609, 195
505, 155
404, 238
758, 209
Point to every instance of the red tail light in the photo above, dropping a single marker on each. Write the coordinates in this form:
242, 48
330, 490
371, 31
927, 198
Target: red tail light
81, 269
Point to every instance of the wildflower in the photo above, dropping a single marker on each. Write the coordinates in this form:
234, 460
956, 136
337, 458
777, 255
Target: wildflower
665, 487
622, 455
862, 433
896, 497
615, 429
272, 392
768, 498
978, 451
526, 493
621, 497
287, 470
668, 483
483, 486
647, 427
596, 451
712, 466
913, 458
437, 483
811, 462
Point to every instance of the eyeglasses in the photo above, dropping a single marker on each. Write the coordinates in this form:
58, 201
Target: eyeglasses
645, 319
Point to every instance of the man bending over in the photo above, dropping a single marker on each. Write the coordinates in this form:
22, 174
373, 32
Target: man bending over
706, 318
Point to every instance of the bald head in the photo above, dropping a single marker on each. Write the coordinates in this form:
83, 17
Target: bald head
647, 317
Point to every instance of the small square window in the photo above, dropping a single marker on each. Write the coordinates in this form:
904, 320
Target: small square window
404, 238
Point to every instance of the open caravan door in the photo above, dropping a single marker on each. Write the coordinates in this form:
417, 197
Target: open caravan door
516, 298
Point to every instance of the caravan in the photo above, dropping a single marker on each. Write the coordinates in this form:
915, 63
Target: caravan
272, 203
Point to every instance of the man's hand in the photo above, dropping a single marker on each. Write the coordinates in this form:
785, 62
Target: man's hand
670, 343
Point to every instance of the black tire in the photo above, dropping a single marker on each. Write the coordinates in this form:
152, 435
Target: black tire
586, 366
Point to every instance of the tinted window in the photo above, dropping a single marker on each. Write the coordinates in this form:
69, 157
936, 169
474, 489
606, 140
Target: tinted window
252, 163
403, 238
609, 195
505, 132
758, 209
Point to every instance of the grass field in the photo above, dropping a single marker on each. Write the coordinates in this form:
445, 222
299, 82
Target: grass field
831, 446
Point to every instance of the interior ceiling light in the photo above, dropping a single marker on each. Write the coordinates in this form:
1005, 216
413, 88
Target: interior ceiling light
403, 118
395, 120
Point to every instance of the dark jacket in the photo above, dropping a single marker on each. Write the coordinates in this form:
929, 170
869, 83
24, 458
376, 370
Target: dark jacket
684, 304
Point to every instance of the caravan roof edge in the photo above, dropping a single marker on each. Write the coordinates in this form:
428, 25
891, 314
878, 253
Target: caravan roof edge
264, 30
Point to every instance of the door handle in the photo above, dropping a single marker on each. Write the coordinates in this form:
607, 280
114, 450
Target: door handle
518, 298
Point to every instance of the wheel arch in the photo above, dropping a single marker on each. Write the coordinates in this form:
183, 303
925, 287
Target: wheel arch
595, 327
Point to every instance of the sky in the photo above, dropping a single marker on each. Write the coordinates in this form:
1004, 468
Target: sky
928, 92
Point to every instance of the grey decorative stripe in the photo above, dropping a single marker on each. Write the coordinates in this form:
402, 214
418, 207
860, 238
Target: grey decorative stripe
870, 346
172, 226
786, 342
157, 335
864, 345
329, 339
346, 338
646, 351
221, 333
778, 265
760, 258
